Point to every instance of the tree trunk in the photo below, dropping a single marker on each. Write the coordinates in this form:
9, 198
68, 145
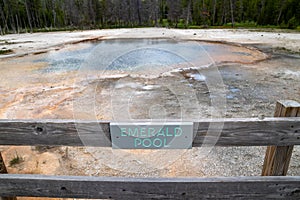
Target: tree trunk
18, 27
232, 16
11, 18
224, 13
5, 27
261, 14
241, 11
162, 9
156, 7
204, 15
139, 12
214, 12
92, 13
188, 13
53, 23
280, 12
12, 23
44, 15
32, 15
28, 16
25, 25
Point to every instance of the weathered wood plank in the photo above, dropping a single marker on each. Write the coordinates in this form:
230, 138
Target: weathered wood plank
150, 188
277, 158
236, 131
250, 132
54, 133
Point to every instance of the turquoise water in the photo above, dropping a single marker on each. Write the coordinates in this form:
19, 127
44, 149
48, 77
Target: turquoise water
138, 54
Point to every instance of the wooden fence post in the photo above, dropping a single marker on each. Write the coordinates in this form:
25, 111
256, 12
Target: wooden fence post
277, 158
4, 171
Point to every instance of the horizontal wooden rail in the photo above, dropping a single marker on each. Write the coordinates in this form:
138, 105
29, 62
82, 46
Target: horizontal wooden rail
150, 188
235, 131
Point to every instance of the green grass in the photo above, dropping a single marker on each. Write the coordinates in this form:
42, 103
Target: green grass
5, 51
241, 25
16, 160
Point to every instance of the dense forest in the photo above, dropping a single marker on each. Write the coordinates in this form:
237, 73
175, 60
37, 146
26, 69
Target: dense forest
32, 15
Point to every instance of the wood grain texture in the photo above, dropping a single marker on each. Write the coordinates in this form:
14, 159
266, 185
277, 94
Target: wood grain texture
150, 188
236, 131
249, 132
277, 158
54, 133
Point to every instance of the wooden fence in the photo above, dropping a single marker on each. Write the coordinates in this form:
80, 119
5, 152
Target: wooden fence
282, 132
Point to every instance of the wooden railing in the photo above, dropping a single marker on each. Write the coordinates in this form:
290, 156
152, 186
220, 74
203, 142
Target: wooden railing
282, 132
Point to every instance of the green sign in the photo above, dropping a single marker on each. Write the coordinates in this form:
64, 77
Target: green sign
152, 135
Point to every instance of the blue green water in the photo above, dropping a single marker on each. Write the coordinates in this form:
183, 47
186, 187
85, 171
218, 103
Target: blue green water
134, 55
